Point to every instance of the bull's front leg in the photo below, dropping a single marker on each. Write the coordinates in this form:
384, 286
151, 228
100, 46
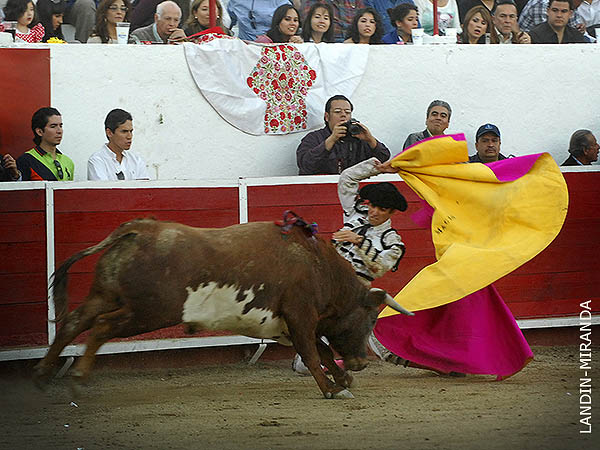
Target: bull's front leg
341, 376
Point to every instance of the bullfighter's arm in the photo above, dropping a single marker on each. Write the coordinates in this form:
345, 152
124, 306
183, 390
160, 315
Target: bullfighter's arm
348, 183
381, 261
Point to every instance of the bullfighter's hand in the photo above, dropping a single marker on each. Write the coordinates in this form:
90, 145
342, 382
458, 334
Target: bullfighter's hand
348, 236
386, 167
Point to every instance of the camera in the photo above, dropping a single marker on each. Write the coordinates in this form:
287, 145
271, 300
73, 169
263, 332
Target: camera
352, 127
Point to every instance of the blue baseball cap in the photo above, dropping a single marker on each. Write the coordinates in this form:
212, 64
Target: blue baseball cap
487, 128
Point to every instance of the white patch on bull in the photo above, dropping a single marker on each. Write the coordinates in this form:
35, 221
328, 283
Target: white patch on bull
215, 308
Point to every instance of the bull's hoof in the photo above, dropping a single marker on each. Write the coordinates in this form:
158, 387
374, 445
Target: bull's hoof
41, 376
350, 381
345, 393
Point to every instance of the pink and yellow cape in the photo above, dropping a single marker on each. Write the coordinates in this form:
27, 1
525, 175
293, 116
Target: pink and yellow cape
486, 221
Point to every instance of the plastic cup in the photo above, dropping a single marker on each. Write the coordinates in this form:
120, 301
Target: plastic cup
417, 36
451, 35
122, 32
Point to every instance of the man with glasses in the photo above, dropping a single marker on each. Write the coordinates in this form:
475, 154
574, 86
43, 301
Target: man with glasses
114, 161
253, 17
556, 29
505, 20
340, 144
45, 161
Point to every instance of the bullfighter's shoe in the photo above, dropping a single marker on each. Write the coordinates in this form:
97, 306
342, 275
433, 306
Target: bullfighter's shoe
383, 353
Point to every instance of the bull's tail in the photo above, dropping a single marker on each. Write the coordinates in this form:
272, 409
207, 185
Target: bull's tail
60, 276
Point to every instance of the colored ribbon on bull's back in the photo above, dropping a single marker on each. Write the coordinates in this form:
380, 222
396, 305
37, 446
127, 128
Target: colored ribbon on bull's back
488, 219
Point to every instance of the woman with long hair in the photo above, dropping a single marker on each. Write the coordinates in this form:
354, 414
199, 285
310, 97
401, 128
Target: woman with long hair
284, 26
51, 14
478, 23
318, 25
366, 28
28, 28
199, 18
108, 14
405, 18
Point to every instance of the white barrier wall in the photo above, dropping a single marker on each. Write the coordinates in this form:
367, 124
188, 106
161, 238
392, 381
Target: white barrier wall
536, 94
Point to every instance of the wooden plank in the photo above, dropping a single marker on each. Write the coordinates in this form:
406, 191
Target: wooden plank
550, 308
143, 200
25, 257
23, 227
543, 287
95, 226
578, 182
561, 259
22, 201
22, 288
23, 319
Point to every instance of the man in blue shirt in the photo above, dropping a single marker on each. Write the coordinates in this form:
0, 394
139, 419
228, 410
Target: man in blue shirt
253, 17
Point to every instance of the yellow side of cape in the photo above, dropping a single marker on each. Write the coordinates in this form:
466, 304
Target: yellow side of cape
482, 228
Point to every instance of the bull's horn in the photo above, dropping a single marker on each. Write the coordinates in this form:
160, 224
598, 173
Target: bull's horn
394, 304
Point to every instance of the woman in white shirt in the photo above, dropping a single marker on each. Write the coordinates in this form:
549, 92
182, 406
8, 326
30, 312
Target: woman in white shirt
447, 15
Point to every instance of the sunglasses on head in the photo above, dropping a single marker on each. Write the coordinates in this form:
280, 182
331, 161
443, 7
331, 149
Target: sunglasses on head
59, 169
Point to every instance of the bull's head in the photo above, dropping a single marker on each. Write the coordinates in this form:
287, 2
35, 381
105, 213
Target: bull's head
348, 335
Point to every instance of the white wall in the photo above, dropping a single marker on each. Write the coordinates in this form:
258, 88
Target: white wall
537, 95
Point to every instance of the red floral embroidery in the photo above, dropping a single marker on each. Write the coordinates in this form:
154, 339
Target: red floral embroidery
281, 79
204, 38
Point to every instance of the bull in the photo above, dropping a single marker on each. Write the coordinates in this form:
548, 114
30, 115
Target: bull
250, 279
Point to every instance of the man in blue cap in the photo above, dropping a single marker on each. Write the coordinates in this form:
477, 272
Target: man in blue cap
487, 143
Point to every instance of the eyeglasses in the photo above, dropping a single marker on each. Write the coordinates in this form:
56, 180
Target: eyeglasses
120, 176
555, 10
339, 111
59, 169
117, 8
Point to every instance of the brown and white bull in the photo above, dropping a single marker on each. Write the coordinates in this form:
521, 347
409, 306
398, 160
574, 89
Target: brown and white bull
249, 279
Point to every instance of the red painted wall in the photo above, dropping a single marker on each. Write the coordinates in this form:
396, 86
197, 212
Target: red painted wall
25, 87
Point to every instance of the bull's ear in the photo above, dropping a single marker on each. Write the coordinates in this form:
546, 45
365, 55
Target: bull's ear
383, 297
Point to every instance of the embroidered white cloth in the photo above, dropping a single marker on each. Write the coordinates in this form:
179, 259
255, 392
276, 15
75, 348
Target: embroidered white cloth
275, 88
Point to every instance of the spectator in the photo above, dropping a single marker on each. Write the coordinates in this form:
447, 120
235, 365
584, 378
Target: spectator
114, 161
436, 122
8, 169
478, 24
333, 148
555, 30
284, 26
108, 14
487, 143
164, 29
253, 18
536, 12
82, 15
465, 5
383, 7
344, 12
318, 25
505, 22
45, 161
367, 240
51, 14
143, 12
583, 148
199, 18
589, 10
406, 18
366, 28
29, 30
447, 15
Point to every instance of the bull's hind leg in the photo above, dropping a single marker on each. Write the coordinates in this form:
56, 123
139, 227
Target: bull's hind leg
75, 323
106, 327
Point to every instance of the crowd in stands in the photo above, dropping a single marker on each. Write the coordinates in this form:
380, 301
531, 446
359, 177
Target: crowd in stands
297, 21
342, 143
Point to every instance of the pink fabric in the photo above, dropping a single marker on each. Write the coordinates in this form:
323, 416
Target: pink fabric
512, 168
476, 335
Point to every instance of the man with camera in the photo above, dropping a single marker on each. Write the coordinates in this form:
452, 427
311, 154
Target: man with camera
342, 143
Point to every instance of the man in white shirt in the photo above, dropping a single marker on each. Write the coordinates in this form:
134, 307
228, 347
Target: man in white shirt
114, 161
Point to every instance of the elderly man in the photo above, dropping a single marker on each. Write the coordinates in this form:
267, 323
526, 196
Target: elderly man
340, 144
164, 29
505, 20
487, 143
114, 161
583, 148
555, 30
436, 122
